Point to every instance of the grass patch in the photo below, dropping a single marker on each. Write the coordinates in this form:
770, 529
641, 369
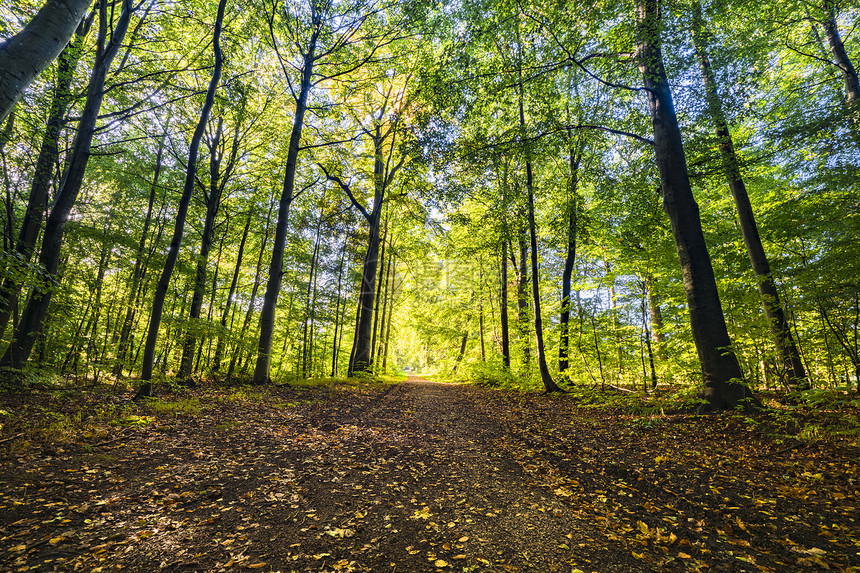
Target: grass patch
190, 407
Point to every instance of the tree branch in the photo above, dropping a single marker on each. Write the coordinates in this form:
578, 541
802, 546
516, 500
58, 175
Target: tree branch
346, 189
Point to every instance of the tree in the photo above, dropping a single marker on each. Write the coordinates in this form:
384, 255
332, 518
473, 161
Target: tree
386, 124
546, 378
34, 313
307, 29
223, 163
575, 153
842, 61
49, 154
724, 387
791, 363
27, 53
182, 212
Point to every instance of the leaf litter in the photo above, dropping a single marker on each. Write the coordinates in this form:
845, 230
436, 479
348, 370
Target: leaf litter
424, 476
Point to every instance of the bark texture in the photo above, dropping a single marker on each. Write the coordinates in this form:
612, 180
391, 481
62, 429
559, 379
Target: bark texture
27, 53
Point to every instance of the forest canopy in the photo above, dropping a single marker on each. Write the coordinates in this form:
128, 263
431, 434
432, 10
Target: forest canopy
544, 194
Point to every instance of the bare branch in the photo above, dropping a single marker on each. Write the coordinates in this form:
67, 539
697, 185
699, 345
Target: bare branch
347, 190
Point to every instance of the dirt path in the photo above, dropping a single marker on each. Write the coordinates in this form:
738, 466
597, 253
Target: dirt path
438, 487
425, 477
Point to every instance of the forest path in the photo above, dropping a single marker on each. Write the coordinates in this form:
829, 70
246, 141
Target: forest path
429, 468
420, 476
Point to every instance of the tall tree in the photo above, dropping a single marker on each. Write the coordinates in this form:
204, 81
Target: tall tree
386, 124
182, 212
330, 40
43, 176
32, 319
223, 162
548, 383
790, 357
724, 386
304, 32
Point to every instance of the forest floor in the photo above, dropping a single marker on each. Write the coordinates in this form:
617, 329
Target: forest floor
419, 476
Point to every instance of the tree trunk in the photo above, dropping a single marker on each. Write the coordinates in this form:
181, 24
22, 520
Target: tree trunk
791, 363
92, 335
575, 156
338, 323
523, 304
34, 314
644, 286
361, 361
137, 273
213, 292
182, 212
307, 334
219, 346
276, 268
27, 53
503, 307
379, 284
724, 387
43, 175
213, 204
481, 329
239, 350
389, 263
388, 323
843, 62
613, 312
462, 353
656, 316
548, 383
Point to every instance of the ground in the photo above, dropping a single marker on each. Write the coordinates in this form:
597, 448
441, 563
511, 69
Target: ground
424, 476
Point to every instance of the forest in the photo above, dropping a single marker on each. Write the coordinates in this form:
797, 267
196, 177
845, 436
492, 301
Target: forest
408, 285
544, 194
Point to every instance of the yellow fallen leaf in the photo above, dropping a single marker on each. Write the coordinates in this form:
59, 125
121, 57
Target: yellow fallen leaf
440, 563
256, 565
460, 556
683, 555
18, 548
56, 540
464, 539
